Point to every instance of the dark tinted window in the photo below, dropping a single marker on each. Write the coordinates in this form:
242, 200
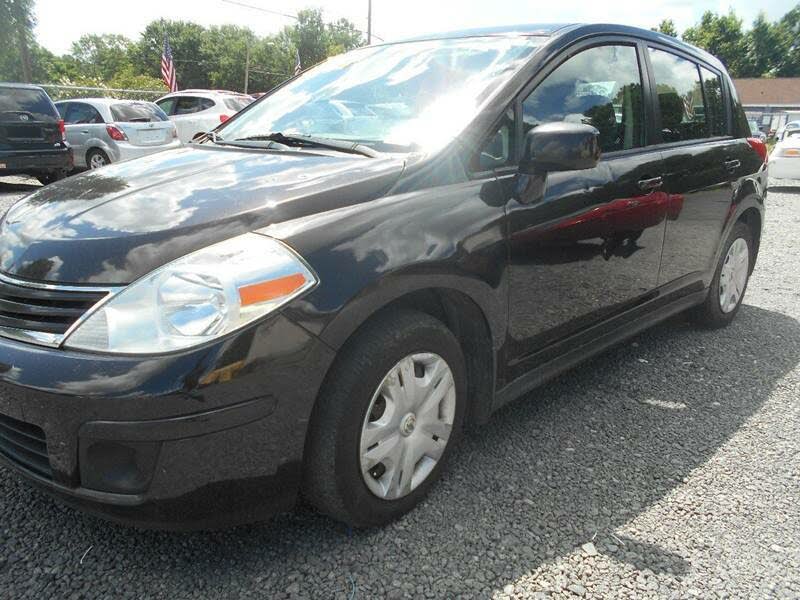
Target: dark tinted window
235, 103
167, 105
31, 101
191, 104
600, 86
714, 103
137, 112
680, 97
62, 109
82, 113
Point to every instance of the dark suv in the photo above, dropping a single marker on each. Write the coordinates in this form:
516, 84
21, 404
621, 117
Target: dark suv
319, 295
32, 140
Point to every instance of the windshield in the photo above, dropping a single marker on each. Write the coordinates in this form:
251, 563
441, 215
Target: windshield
395, 97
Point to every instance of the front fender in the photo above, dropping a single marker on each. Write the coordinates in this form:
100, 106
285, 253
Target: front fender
369, 255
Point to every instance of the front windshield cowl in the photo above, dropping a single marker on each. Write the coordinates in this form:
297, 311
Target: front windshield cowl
405, 97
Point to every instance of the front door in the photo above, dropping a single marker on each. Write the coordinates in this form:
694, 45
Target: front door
589, 245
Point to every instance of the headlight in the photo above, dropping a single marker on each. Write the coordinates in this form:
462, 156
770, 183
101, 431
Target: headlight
197, 298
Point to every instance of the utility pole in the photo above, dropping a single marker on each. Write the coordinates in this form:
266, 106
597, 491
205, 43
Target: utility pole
369, 22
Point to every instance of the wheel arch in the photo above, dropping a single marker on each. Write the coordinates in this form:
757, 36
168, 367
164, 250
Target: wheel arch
461, 313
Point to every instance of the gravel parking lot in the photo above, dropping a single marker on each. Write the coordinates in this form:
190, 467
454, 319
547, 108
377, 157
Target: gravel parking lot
668, 467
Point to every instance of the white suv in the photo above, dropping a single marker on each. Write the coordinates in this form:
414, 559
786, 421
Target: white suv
199, 111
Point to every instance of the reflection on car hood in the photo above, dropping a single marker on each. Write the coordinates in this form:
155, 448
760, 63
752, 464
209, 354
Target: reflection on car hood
113, 225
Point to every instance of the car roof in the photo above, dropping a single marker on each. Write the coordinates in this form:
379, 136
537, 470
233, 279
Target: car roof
576, 30
22, 86
103, 101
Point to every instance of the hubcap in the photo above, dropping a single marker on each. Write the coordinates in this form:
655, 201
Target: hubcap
97, 161
408, 425
733, 277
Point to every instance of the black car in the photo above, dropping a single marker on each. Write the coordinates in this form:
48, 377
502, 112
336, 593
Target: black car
32, 140
319, 295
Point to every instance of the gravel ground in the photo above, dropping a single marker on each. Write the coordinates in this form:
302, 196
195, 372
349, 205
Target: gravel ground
668, 467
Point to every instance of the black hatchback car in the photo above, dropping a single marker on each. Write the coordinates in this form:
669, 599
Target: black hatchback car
32, 140
319, 295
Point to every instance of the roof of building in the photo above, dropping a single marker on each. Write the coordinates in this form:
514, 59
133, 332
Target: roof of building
762, 91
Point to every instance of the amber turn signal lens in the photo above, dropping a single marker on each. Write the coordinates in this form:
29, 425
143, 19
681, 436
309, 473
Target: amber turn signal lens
269, 290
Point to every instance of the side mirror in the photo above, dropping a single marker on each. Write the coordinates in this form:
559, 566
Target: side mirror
560, 147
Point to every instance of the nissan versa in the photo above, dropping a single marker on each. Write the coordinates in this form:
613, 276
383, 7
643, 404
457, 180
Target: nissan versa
320, 294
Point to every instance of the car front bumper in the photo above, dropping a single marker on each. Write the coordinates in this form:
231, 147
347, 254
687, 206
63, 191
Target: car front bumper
35, 161
200, 439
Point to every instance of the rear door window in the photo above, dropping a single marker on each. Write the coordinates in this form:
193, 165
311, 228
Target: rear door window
187, 105
80, 113
714, 103
600, 86
137, 112
680, 97
32, 102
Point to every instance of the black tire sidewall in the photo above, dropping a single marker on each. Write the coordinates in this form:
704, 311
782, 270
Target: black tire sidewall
712, 305
363, 506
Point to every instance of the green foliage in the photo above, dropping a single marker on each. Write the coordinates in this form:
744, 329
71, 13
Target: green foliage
667, 27
102, 55
722, 36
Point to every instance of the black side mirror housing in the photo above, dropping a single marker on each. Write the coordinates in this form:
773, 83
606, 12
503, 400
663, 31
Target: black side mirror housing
560, 147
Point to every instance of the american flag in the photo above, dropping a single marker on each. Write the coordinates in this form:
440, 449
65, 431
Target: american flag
168, 67
298, 68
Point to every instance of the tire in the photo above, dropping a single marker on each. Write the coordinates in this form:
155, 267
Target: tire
96, 159
48, 178
719, 309
351, 403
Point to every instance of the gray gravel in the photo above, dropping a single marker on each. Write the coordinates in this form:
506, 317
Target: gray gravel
669, 467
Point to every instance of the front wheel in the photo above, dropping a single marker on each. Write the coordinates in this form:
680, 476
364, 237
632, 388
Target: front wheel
730, 280
387, 418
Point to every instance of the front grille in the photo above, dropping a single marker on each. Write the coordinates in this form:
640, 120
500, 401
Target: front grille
43, 310
25, 444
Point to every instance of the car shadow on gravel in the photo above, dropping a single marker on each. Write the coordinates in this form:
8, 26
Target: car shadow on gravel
7, 187
573, 462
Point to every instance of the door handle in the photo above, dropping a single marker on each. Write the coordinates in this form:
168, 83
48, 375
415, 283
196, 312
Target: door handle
732, 165
85, 131
653, 183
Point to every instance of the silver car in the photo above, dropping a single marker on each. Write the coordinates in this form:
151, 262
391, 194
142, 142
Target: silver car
105, 130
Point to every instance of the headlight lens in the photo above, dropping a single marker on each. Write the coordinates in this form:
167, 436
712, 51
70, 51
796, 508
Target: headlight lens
197, 298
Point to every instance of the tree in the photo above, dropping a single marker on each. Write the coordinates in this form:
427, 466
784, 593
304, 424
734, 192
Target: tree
225, 49
667, 27
186, 41
722, 36
789, 32
102, 55
16, 23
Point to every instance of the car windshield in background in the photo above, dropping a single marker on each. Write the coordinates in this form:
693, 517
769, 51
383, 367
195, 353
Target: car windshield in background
137, 112
32, 102
235, 103
404, 97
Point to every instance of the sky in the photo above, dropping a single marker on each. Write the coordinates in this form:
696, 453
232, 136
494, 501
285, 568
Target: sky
60, 23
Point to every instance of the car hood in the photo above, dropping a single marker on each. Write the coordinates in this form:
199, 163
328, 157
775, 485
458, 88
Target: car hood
116, 224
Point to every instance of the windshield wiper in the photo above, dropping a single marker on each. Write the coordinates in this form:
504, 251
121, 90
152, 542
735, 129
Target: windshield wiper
243, 143
309, 142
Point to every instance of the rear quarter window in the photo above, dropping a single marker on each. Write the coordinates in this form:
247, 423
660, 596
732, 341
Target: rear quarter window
31, 101
234, 103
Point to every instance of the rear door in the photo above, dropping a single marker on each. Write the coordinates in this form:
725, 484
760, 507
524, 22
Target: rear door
144, 124
84, 123
28, 120
700, 162
190, 117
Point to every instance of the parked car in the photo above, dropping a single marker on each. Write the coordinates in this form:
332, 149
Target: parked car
31, 134
784, 161
305, 302
782, 132
195, 112
102, 131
